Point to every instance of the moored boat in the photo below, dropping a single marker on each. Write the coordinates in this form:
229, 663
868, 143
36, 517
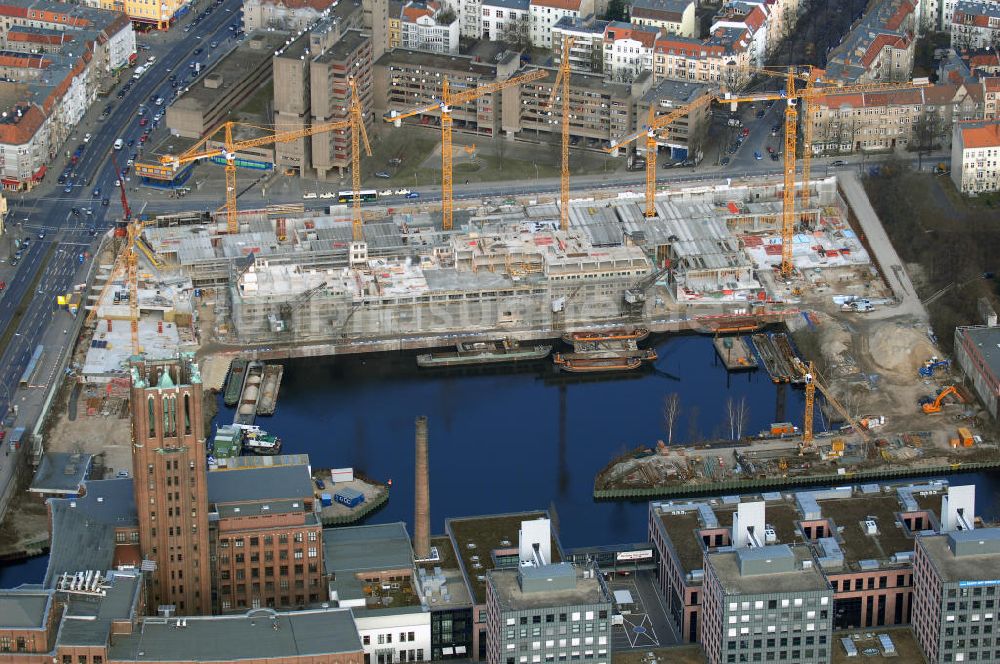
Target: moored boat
636, 334
603, 361
484, 352
259, 441
234, 382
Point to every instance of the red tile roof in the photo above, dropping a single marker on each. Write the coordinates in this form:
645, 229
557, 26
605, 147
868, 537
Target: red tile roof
879, 43
20, 132
681, 46
565, 5
991, 84
902, 12
985, 136
756, 18
16, 35
25, 61
645, 37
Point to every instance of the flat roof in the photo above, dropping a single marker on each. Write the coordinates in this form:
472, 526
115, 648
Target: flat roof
954, 569
726, 566
61, 472
486, 534
362, 548
987, 342
251, 484
849, 514
259, 634
24, 609
88, 619
507, 589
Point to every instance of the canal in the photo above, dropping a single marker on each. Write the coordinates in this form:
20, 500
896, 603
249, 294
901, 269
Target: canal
512, 437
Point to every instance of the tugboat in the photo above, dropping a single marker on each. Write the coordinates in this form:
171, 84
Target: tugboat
604, 360
635, 335
484, 352
261, 442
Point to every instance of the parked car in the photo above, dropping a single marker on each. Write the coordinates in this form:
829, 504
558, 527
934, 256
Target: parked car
383, 174
757, 155
105, 202
159, 101
320, 484
775, 156
725, 161
402, 192
68, 189
413, 194
838, 162
386, 192
143, 122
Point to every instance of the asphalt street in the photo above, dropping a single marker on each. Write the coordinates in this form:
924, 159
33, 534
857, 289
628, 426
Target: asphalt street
45, 216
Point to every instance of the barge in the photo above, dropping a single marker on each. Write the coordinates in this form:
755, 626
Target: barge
269, 389
604, 360
484, 352
246, 411
636, 335
735, 353
234, 382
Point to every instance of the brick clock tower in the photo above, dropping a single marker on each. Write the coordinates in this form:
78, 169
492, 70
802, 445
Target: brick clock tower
170, 483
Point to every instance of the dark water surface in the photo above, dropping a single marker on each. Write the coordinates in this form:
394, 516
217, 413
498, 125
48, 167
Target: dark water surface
512, 437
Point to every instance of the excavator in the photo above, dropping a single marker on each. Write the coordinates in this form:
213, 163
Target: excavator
935, 406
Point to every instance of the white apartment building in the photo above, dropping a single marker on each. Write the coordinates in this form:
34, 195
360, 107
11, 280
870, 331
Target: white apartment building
975, 24
975, 157
628, 50
675, 17
587, 52
506, 20
24, 145
546, 13
425, 27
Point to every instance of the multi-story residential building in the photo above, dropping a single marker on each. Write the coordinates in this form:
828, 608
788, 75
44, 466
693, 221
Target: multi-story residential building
975, 24
226, 85
751, 18
771, 601
312, 86
861, 540
395, 27
290, 15
507, 20
879, 47
406, 79
470, 18
722, 58
160, 15
956, 595
600, 111
975, 160
171, 488
267, 541
552, 611
371, 571
913, 118
587, 52
425, 27
545, 14
628, 50
56, 57
672, 17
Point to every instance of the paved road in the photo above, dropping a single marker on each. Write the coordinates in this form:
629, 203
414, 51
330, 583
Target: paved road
46, 217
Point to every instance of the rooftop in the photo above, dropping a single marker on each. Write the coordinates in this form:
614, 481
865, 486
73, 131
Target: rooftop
586, 588
980, 135
987, 341
727, 565
850, 515
367, 548
88, 619
257, 635
480, 539
24, 609
61, 472
269, 483
968, 567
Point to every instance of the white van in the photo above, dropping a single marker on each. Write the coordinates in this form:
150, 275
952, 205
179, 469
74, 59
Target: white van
119, 144
150, 60
139, 71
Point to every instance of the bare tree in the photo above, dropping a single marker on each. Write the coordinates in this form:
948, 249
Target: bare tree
671, 409
737, 413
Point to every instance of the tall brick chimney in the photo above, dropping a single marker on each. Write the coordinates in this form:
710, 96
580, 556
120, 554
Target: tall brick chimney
422, 502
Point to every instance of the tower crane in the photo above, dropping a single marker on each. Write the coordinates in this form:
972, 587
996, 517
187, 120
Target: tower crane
792, 95
812, 383
230, 148
449, 100
561, 86
655, 123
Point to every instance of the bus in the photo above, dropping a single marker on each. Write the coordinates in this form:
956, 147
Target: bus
367, 195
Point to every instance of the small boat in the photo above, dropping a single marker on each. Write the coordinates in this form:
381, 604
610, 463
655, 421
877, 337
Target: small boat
484, 352
259, 441
246, 411
637, 334
603, 361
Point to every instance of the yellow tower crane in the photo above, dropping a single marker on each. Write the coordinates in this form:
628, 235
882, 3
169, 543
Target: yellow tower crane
230, 148
561, 87
812, 383
655, 123
449, 100
792, 95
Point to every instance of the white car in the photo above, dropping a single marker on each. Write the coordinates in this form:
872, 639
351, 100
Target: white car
311, 194
129, 162
86, 139
327, 194
159, 101
385, 192
157, 117
402, 192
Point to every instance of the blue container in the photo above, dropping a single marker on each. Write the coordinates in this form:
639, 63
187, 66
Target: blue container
350, 497
325, 499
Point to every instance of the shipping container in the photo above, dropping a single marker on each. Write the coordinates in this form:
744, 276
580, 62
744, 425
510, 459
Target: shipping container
350, 497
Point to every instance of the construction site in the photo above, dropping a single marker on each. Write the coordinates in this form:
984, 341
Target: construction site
722, 258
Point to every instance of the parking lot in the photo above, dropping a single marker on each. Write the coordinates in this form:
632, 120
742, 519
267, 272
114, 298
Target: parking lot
644, 624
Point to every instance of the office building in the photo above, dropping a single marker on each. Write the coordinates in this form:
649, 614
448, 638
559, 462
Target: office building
976, 353
171, 491
769, 601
